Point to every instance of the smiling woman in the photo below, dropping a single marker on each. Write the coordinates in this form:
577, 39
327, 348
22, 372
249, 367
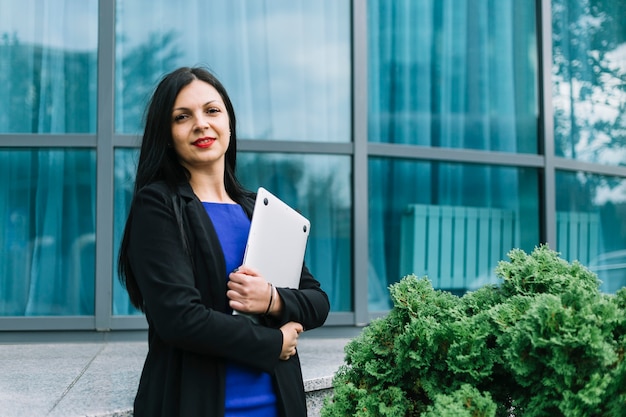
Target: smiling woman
186, 231
201, 131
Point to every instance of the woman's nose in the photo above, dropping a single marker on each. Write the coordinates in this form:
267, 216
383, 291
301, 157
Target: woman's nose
202, 122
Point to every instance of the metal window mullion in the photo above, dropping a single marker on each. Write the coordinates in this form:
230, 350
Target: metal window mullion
360, 166
41, 140
391, 150
104, 168
546, 122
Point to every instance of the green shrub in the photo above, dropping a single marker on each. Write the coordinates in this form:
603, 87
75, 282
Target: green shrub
546, 342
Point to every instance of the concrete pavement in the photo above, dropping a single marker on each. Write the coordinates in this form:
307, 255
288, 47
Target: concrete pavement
94, 374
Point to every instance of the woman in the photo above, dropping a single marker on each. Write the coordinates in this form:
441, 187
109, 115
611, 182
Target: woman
185, 232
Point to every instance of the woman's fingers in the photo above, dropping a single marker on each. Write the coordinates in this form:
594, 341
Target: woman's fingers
247, 291
291, 331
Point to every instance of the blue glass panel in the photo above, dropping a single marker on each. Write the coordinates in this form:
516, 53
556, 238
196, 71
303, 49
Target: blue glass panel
285, 63
48, 66
450, 222
319, 187
125, 170
588, 72
591, 224
453, 74
47, 204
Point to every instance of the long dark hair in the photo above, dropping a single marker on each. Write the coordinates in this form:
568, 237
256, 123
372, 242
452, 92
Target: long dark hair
159, 162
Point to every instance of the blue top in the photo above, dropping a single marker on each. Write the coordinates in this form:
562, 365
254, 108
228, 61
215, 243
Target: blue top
249, 392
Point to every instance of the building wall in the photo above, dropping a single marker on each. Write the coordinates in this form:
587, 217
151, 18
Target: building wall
426, 137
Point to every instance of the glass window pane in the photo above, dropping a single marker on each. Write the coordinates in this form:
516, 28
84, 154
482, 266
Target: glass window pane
588, 72
591, 224
319, 187
125, 170
48, 66
47, 204
453, 74
450, 222
286, 64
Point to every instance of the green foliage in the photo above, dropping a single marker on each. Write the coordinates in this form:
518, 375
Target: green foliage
544, 342
467, 401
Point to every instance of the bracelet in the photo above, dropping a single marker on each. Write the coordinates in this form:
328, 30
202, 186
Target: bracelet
274, 298
269, 305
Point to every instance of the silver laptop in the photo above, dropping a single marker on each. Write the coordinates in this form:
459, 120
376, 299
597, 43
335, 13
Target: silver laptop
277, 240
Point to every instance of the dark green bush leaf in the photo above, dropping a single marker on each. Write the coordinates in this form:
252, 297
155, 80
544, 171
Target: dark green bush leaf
544, 342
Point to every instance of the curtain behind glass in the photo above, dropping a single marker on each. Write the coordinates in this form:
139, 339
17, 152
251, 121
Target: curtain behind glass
454, 74
455, 238
285, 63
48, 66
47, 203
319, 187
125, 170
588, 73
47, 196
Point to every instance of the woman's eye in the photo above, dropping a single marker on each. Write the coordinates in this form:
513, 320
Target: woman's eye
213, 110
179, 117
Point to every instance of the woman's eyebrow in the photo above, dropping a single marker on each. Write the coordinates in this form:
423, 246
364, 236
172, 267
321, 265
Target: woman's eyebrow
187, 109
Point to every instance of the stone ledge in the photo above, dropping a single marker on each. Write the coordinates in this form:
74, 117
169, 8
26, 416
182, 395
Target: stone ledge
316, 391
318, 384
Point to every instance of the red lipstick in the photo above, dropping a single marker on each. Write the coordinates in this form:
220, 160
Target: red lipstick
205, 142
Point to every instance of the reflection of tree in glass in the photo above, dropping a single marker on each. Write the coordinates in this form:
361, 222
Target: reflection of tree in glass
138, 72
589, 70
278, 174
306, 182
316, 185
46, 89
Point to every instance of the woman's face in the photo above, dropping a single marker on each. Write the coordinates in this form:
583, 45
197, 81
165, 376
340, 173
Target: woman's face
200, 128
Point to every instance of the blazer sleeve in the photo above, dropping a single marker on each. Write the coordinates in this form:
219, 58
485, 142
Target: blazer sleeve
307, 305
173, 304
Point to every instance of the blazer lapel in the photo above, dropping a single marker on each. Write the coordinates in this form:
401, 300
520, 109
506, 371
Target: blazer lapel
209, 264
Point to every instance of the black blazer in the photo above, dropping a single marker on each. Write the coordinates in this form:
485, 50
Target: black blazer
191, 334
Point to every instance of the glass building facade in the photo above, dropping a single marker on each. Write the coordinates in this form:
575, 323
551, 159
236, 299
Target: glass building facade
425, 137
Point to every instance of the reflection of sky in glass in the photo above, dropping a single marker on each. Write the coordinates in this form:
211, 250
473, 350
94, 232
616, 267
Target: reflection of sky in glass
325, 175
595, 109
286, 64
64, 24
610, 192
589, 66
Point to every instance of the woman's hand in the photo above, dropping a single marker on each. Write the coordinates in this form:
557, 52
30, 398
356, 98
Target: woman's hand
249, 292
291, 331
